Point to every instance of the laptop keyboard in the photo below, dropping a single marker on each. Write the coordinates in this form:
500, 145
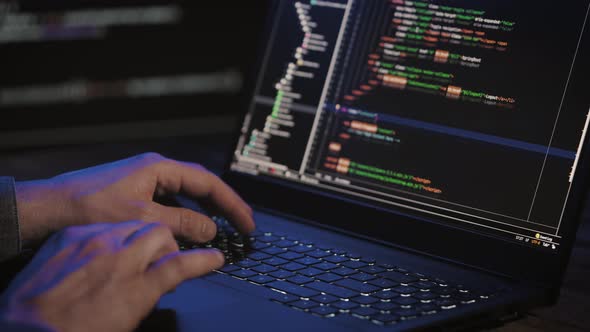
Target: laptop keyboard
327, 281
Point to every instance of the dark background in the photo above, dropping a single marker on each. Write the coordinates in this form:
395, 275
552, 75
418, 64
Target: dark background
210, 37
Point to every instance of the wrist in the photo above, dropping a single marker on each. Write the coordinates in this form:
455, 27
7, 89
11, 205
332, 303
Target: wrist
22, 321
40, 210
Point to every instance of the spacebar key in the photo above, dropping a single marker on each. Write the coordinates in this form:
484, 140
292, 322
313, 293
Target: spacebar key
332, 290
290, 288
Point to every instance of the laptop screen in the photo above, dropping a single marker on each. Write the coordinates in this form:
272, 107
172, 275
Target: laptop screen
450, 109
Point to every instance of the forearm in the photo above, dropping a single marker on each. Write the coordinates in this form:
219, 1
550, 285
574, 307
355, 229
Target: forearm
10, 235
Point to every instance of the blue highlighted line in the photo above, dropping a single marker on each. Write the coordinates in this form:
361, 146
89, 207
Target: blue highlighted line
556, 152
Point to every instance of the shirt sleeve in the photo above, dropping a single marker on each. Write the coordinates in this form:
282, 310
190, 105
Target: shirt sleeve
10, 242
22, 327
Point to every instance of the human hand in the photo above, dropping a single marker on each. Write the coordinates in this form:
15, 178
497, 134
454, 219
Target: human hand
125, 190
101, 277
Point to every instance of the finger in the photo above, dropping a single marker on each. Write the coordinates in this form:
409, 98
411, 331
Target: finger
184, 223
150, 244
81, 234
172, 270
176, 177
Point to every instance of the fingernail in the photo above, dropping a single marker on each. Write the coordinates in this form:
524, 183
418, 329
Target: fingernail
220, 255
208, 232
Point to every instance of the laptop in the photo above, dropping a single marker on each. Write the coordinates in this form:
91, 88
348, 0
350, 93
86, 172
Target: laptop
413, 165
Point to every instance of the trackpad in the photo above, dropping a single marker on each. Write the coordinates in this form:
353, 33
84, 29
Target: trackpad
205, 306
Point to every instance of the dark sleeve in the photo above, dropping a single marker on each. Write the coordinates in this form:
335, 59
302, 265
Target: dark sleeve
19, 327
9, 230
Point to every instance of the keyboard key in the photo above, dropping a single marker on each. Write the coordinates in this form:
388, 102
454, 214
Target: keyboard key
325, 266
344, 305
406, 313
284, 298
405, 289
281, 274
424, 284
465, 297
354, 264
258, 256
274, 251
268, 238
301, 249
259, 245
324, 311
261, 279
243, 274
291, 255
364, 312
446, 304
443, 290
362, 277
304, 305
338, 252
290, 288
247, 263
421, 276
385, 306
385, 318
424, 296
276, 261
341, 292
404, 301
308, 261
372, 269
328, 277
229, 268
300, 280
369, 260
285, 244
427, 309
383, 283
398, 277
364, 300
264, 268
354, 256
325, 299
318, 254
357, 286
310, 272
344, 271
282, 236
335, 259
386, 295
293, 267
256, 232
388, 267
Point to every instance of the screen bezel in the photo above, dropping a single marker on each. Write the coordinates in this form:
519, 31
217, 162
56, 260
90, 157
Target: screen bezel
416, 233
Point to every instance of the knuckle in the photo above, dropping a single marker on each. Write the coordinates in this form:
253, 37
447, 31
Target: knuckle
184, 220
162, 232
145, 212
201, 168
179, 266
94, 245
151, 157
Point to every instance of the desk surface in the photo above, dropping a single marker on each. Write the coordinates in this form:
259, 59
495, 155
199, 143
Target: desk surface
570, 314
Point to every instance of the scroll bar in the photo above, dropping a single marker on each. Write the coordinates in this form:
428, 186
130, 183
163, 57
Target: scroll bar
580, 147
327, 84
